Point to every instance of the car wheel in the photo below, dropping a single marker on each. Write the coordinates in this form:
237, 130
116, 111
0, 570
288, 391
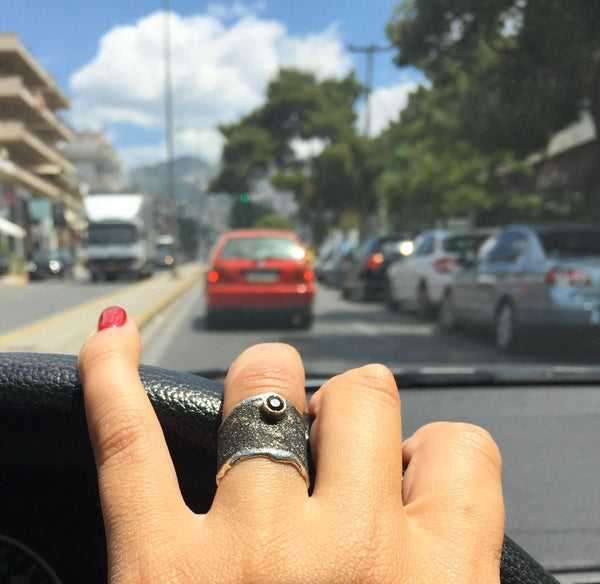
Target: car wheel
505, 328
390, 301
447, 316
423, 302
359, 292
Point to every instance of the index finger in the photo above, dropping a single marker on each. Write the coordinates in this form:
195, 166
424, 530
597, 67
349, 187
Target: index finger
136, 476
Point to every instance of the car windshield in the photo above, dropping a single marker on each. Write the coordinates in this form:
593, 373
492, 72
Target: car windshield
111, 234
464, 243
278, 248
432, 168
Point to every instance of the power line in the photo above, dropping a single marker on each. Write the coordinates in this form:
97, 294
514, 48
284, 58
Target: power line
369, 52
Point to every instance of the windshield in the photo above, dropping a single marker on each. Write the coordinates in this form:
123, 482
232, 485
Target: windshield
439, 163
563, 243
274, 248
111, 234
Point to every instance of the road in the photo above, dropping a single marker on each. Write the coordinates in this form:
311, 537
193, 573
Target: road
548, 436
23, 305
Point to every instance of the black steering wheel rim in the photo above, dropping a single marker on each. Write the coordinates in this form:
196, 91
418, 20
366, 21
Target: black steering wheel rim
42, 426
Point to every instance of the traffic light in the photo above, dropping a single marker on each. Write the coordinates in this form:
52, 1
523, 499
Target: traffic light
244, 197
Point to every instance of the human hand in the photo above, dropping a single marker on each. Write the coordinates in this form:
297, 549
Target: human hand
442, 522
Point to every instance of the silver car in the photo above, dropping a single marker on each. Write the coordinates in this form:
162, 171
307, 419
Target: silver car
528, 277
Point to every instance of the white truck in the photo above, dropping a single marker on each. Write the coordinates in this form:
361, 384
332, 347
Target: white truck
121, 237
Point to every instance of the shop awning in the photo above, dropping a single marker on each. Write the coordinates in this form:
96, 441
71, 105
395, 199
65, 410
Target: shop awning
9, 228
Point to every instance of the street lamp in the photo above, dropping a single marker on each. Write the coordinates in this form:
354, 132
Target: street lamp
168, 90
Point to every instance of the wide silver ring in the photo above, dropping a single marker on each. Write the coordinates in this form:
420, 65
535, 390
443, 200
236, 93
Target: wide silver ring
266, 426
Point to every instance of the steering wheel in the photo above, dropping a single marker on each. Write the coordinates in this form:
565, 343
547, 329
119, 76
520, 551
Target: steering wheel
48, 492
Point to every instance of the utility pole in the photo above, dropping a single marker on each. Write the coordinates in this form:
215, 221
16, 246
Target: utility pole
169, 126
369, 52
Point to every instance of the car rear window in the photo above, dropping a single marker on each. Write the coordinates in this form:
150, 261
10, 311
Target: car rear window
263, 248
392, 247
463, 243
570, 243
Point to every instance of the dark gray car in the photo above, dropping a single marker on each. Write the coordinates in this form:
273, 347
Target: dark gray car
529, 277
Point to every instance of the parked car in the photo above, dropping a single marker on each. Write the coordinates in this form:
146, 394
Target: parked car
418, 282
259, 272
4, 265
364, 271
528, 277
165, 252
330, 265
50, 264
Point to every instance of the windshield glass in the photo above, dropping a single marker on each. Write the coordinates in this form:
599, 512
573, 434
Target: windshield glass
439, 163
242, 248
111, 234
563, 243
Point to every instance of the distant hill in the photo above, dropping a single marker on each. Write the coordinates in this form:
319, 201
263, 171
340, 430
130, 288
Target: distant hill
192, 176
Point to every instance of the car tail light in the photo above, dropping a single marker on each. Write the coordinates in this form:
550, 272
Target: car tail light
213, 276
444, 265
568, 277
308, 275
375, 261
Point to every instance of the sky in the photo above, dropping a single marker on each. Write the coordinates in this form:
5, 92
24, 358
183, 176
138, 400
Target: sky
107, 57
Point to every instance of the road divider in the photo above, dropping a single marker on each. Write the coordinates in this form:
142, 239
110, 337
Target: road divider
65, 332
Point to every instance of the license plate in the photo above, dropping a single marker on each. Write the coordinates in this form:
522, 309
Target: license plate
261, 277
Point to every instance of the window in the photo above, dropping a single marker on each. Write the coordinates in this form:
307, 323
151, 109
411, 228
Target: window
508, 247
425, 247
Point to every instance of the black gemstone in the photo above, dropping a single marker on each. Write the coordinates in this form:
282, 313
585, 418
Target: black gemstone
275, 403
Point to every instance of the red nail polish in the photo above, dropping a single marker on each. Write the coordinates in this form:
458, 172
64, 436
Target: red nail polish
112, 317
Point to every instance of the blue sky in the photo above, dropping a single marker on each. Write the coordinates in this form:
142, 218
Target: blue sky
106, 56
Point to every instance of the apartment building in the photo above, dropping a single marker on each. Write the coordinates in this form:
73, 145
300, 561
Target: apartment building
98, 164
40, 206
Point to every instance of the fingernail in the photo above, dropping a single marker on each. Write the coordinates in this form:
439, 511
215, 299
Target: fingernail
112, 317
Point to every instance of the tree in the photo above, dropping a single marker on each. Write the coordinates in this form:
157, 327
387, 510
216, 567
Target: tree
299, 107
246, 214
532, 66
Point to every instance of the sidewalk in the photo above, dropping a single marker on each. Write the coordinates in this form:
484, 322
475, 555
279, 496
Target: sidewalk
65, 332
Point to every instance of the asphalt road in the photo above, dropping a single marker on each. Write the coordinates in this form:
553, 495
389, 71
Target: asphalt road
548, 435
24, 304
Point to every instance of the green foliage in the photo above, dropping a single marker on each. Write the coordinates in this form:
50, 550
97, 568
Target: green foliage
275, 221
247, 214
529, 67
298, 107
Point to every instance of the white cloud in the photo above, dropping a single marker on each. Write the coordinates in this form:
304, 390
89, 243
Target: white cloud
304, 149
220, 70
386, 105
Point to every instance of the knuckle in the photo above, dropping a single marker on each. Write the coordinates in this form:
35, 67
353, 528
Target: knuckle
378, 379
478, 442
121, 431
98, 357
260, 377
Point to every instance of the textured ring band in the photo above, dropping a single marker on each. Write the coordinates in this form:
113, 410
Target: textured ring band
266, 426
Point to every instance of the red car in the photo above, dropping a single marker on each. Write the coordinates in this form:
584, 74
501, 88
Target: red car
259, 272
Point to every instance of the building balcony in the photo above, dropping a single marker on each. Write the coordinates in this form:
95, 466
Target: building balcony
17, 102
16, 60
39, 187
27, 150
